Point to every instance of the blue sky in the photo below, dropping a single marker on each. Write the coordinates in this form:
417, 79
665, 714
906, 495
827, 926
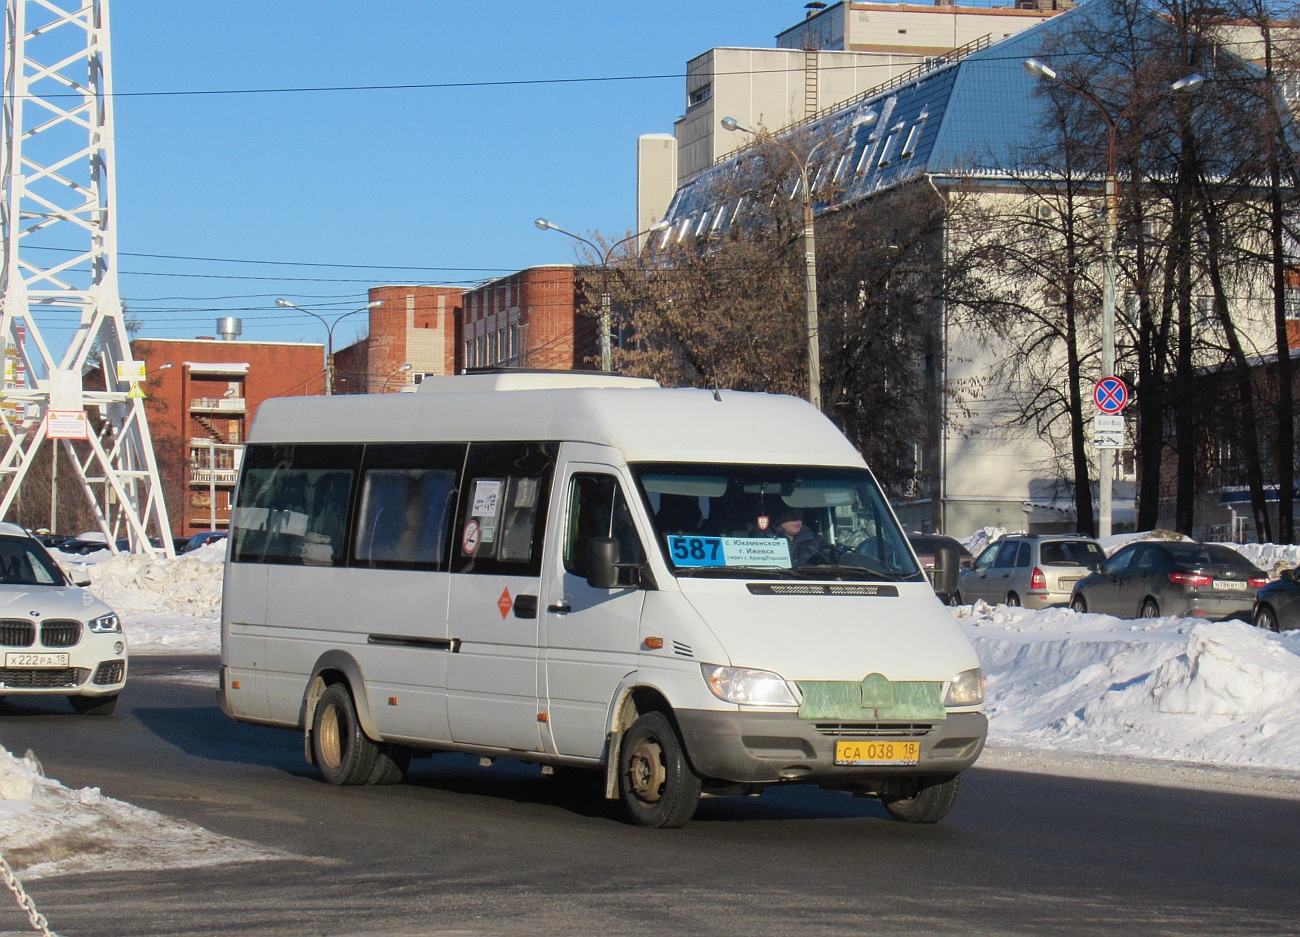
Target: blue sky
421, 178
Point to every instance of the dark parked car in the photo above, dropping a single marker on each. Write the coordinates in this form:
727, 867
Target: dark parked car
86, 547
203, 538
1277, 606
926, 544
1153, 578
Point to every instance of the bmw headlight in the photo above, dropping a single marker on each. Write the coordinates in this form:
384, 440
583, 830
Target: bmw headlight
966, 689
752, 687
105, 624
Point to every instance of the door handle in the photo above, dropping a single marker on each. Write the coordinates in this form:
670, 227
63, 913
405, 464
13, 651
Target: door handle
560, 608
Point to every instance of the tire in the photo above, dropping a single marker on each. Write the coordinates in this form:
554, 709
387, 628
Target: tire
1013, 600
928, 803
391, 762
658, 786
1079, 604
1266, 618
94, 705
1150, 609
340, 749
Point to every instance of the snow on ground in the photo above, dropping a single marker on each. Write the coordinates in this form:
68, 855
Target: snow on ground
167, 606
1168, 688
48, 829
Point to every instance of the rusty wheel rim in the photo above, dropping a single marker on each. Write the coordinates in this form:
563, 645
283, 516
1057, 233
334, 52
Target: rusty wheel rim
646, 774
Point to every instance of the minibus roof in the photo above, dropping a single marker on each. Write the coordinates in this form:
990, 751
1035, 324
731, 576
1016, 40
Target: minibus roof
646, 422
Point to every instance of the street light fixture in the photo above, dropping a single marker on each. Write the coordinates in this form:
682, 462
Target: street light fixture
865, 119
329, 334
1185, 85
606, 352
402, 370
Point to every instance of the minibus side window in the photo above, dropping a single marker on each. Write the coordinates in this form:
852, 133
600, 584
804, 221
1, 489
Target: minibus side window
293, 505
597, 508
501, 520
408, 494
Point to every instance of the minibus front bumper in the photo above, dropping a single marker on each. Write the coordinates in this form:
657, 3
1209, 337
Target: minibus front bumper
767, 747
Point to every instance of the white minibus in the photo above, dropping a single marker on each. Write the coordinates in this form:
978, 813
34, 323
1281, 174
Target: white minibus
697, 592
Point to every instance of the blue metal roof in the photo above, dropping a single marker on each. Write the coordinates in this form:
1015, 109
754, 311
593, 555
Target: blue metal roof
972, 116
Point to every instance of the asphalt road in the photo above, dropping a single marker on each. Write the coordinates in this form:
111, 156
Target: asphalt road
503, 850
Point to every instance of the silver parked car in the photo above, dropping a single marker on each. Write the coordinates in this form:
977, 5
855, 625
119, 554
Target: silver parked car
1033, 571
1154, 578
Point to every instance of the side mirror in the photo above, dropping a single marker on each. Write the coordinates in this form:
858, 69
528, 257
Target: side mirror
1288, 575
947, 564
80, 578
602, 562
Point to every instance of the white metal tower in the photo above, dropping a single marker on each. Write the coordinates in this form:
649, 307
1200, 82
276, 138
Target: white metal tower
57, 219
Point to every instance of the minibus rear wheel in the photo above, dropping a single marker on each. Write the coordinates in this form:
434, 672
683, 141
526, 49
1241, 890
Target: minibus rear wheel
927, 802
656, 781
342, 752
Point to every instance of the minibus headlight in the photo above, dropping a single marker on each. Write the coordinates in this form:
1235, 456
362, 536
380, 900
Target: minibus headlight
752, 687
966, 689
105, 624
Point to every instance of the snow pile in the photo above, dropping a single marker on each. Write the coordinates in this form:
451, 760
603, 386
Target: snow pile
1115, 541
47, 829
190, 584
1270, 557
977, 541
1171, 688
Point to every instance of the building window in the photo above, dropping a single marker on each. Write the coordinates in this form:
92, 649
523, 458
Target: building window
699, 95
1204, 311
514, 341
913, 137
469, 353
1292, 300
887, 151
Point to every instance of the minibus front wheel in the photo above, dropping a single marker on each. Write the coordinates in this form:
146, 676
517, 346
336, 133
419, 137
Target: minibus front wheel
656, 781
923, 800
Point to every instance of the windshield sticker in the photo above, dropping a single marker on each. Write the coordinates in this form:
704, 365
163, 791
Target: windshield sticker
730, 551
486, 494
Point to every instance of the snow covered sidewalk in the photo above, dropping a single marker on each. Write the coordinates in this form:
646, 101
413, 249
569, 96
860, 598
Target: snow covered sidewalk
1183, 689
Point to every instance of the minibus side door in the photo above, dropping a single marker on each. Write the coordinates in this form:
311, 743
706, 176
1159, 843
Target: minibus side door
492, 672
592, 636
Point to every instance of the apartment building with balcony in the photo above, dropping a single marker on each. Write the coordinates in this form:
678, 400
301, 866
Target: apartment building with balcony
202, 397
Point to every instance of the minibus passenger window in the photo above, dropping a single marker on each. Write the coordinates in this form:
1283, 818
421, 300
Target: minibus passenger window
597, 508
293, 504
404, 517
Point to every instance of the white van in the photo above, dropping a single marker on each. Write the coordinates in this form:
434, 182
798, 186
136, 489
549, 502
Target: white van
694, 591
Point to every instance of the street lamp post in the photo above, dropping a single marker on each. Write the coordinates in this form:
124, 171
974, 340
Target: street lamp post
865, 119
1185, 85
402, 370
329, 334
606, 352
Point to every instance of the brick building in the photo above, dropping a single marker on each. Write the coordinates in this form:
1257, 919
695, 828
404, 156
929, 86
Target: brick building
203, 395
411, 325
536, 318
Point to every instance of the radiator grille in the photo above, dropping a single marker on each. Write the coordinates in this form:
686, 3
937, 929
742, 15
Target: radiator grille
874, 730
109, 672
60, 632
16, 632
44, 677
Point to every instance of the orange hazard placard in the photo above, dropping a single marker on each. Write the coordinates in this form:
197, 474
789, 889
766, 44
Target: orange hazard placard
505, 603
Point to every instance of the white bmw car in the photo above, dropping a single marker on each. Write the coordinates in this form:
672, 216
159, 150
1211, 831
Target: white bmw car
57, 638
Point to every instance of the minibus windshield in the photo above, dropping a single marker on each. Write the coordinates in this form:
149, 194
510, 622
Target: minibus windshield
774, 521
